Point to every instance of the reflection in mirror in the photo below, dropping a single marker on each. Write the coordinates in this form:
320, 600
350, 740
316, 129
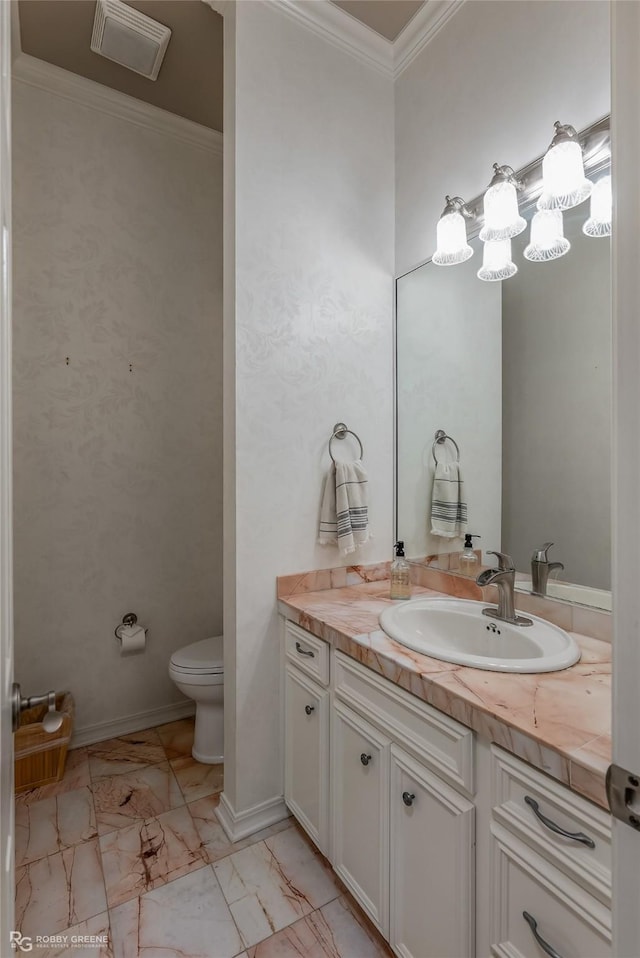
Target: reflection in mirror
519, 374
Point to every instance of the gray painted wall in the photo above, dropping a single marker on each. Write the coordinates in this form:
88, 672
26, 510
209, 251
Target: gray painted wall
117, 403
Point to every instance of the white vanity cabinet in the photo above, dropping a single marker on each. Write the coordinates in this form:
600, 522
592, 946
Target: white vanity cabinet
306, 738
395, 793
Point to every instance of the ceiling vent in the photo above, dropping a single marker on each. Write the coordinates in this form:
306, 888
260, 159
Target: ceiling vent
129, 38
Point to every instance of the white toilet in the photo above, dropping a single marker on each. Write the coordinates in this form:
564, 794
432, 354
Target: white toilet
198, 671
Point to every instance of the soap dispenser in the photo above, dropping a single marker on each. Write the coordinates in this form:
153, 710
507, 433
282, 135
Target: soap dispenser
400, 568
469, 560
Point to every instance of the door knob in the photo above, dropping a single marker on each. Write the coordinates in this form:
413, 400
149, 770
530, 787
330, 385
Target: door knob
408, 798
52, 719
309, 709
365, 759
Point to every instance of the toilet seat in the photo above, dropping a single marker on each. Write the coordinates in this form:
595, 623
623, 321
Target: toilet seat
199, 658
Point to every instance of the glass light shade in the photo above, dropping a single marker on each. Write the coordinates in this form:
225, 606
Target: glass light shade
564, 184
451, 233
502, 219
547, 237
496, 261
599, 223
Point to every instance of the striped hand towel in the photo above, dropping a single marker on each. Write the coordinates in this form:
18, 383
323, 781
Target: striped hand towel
344, 516
448, 507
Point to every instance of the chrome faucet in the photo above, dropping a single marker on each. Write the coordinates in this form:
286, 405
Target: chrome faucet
503, 578
540, 569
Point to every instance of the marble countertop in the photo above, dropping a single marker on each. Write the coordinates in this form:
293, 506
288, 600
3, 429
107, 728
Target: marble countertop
560, 722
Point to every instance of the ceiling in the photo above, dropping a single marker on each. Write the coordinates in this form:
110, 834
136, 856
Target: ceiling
59, 31
386, 17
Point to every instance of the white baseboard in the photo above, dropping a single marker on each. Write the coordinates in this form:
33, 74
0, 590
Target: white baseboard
131, 723
239, 825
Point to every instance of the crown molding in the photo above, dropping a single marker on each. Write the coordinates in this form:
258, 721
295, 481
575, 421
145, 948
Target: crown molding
348, 34
70, 86
343, 31
420, 31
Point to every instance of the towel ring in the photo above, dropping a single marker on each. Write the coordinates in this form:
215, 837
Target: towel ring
339, 432
440, 438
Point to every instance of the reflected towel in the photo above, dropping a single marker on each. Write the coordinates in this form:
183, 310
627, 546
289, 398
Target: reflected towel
344, 515
448, 507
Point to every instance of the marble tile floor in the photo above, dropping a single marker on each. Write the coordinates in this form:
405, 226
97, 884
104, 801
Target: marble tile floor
128, 846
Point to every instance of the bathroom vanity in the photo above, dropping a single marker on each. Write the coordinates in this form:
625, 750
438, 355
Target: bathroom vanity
447, 798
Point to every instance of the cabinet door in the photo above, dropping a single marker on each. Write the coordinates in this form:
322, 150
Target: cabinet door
306, 776
360, 810
432, 864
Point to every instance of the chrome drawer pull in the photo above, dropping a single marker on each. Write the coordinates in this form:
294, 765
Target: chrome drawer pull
408, 798
546, 947
365, 759
576, 836
309, 709
304, 651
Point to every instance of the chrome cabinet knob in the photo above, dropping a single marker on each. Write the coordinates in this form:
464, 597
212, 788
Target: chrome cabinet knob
365, 759
309, 709
408, 798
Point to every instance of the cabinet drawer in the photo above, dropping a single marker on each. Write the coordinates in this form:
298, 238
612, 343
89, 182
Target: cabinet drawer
310, 654
568, 918
518, 789
439, 742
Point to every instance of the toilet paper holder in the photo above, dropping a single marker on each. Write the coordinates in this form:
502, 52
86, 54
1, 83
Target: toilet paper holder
128, 620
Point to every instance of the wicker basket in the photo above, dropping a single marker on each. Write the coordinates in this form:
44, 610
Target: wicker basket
40, 756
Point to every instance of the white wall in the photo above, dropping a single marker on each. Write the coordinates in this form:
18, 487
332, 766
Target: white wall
488, 89
314, 284
118, 475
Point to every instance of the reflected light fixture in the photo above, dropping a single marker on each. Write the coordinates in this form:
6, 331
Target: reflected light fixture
496, 261
599, 222
547, 239
451, 234
502, 218
564, 184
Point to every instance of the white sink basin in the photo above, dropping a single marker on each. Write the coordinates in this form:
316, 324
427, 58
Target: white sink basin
455, 630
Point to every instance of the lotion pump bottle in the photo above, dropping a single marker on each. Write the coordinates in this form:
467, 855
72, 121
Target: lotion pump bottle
400, 581
468, 559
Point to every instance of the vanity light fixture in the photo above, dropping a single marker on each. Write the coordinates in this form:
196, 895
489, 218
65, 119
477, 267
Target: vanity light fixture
496, 261
547, 237
451, 234
502, 218
564, 184
552, 183
599, 222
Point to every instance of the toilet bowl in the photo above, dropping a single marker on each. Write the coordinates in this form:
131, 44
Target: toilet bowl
198, 671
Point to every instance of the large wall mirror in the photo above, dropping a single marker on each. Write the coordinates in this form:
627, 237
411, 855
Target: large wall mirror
518, 373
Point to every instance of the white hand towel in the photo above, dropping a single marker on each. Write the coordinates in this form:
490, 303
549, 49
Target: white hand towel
448, 506
344, 516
